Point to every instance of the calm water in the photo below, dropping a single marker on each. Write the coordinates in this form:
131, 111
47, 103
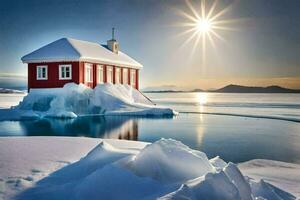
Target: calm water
234, 138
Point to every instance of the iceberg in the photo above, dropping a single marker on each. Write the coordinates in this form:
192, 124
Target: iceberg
75, 100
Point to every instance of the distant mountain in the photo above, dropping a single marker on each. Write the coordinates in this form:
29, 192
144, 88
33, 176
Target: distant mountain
231, 89
247, 89
197, 90
10, 91
163, 89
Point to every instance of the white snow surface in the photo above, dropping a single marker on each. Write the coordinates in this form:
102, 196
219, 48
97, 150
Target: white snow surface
68, 49
8, 100
79, 100
281, 174
51, 168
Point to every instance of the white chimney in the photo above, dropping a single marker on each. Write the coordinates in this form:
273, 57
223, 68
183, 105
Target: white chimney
112, 44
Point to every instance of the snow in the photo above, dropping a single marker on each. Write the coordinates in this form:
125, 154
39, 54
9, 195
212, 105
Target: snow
68, 49
51, 168
281, 174
75, 100
25, 160
10, 99
218, 163
160, 162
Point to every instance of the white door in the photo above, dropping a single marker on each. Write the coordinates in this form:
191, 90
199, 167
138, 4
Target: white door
88, 72
109, 74
132, 78
118, 75
125, 76
100, 74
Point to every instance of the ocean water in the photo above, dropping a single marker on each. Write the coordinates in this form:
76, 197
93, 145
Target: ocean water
279, 106
237, 127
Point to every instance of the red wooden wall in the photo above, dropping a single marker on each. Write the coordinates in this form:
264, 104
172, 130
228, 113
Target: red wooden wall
78, 75
53, 75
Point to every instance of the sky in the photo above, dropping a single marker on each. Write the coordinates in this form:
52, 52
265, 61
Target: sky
261, 48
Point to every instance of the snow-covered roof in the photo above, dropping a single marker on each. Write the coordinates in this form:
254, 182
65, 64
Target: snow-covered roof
68, 49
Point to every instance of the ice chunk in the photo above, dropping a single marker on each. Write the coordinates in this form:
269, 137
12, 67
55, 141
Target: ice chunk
214, 186
168, 160
267, 191
114, 182
30, 115
236, 177
218, 163
102, 155
61, 114
77, 100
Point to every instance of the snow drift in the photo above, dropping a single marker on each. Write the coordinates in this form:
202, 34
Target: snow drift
166, 169
78, 100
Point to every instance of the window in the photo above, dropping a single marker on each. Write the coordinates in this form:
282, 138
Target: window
42, 72
88, 72
65, 72
118, 75
109, 74
132, 78
125, 76
100, 74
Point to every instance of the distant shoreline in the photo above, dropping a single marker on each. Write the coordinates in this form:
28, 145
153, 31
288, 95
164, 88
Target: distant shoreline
233, 89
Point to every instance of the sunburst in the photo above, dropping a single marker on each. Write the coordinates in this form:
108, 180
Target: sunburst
204, 24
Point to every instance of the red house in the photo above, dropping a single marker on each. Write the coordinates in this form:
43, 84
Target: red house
70, 60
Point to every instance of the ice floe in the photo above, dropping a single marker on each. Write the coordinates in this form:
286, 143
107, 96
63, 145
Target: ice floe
75, 100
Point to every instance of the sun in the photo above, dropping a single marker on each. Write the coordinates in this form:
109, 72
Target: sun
205, 25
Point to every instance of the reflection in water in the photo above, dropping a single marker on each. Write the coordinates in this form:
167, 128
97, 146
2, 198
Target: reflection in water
235, 139
115, 127
202, 98
100, 127
200, 134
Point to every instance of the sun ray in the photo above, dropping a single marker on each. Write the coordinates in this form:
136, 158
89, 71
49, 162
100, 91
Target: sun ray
186, 32
183, 24
196, 44
189, 39
203, 50
229, 21
221, 13
187, 16
224, 28
212, 42
211, 10
218, 36
192, 9
203, 9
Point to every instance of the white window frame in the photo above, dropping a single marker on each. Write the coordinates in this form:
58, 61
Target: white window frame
109, 69
125, 75
41, 67
100, 71
117, 75
61, 71
88, 77
133, 78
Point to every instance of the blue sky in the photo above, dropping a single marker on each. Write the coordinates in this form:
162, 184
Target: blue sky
263, 51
